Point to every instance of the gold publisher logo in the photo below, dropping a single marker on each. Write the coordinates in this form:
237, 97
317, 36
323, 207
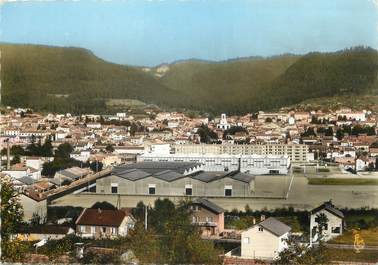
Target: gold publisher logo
359, 242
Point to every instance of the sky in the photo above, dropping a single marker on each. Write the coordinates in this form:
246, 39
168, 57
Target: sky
151, 32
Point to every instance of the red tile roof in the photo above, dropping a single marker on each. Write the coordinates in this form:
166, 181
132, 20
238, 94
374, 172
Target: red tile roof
101, 217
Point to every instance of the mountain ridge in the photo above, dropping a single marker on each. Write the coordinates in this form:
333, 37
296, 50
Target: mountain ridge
36, 76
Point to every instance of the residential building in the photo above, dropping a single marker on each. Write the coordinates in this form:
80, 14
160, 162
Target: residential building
98, 223
208, 216
334, 226
296, 152
34, 205
264, 240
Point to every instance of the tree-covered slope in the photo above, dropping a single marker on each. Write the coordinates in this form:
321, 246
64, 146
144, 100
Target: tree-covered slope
71, 79
231, 86
349, 72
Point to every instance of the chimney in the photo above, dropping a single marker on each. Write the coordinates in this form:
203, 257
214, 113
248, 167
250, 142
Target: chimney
239, 163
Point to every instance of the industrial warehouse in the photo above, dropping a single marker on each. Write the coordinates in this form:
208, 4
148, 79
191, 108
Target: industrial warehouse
252, 164
175, 179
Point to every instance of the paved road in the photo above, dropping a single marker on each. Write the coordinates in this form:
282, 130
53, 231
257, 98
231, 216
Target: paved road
301, 196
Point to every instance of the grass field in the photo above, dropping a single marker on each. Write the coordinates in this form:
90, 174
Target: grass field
370, 237
349, 255
342, 181
124, 103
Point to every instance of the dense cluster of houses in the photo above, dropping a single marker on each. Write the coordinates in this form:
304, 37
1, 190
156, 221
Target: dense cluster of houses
163, 155
284, 133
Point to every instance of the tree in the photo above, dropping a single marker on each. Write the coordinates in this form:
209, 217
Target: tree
103, 205
11, 218
139, 211
64, 150
322, 221
296, 253
161, 214
50, 168
16, 159
206, 135
374, 145
145, 244
329, 131
171, 236
309, 132
96, 166
133, 129
36, 219
233, 130
339, 134
109, 148
47, 149
314, 120
14, 150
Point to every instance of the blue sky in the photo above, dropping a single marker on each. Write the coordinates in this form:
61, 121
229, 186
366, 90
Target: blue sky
140, 32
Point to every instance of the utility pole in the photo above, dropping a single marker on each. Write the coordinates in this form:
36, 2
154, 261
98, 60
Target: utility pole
8, 155
145, 217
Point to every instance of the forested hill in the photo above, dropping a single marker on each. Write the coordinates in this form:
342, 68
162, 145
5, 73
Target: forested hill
75, 80
71, 80
349, 72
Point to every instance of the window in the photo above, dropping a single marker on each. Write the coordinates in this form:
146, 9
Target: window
228, 190
151, 189
261, 229
82, 228
209, 219
188, 190
104, 229
196, 208
336, 230
114, 187
114, 230
274, 172
246, 240
93, 229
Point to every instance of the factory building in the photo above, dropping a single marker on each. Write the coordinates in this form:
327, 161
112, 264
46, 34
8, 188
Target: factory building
252, 164
175, 179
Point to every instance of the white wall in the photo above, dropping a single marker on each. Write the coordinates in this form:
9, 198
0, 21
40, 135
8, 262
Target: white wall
333, 221
262, 244
254, 164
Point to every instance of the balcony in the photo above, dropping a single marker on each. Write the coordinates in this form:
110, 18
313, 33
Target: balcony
207, 224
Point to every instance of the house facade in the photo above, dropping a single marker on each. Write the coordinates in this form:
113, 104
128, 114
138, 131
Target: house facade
98, 223
296, 152
208, 216
334, 226
264, 240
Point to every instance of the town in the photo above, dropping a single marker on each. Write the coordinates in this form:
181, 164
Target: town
254, 189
